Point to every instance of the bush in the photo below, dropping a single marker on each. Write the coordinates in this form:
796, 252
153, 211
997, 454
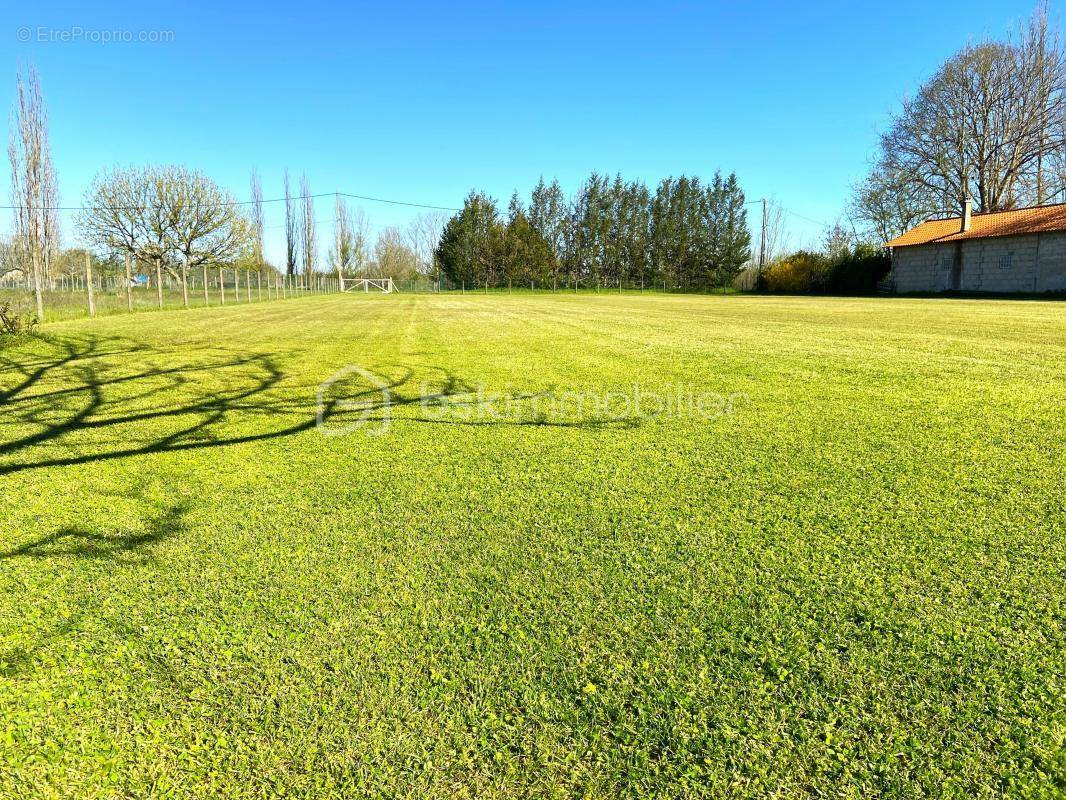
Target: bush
14, 324
802, 271
859, 270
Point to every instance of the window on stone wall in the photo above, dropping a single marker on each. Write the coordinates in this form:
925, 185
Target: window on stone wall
1006, 261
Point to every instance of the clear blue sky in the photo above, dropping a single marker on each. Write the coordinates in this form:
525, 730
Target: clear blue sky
423, 101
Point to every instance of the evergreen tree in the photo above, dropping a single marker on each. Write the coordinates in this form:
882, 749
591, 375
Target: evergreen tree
728, 240
550, 217
735, 244
591, 218
470, 246
526, 255
634, 220
679, 243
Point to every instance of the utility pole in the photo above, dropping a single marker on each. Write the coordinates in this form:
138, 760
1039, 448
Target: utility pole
762, 247
89, 284
129, 284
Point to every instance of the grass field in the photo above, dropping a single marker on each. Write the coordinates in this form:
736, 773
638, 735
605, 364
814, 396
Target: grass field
841, 572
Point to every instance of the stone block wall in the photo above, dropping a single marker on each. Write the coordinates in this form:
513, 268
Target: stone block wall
1002, 265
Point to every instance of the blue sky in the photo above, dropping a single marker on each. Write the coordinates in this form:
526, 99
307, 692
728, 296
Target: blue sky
423, 101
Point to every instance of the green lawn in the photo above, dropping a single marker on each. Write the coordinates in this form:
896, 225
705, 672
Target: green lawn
843, 576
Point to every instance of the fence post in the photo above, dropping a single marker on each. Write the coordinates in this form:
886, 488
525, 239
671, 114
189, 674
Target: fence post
129, 284
89, 284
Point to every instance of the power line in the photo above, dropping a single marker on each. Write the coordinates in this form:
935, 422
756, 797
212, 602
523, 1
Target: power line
348, 195
789, 211
232, 203
808, 219
328, 221
397, 202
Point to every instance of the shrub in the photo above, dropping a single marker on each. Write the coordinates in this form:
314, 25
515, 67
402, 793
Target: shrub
802, 271
14, 324
858, 270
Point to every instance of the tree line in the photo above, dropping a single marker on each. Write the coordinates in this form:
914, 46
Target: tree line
989, 125
688, 234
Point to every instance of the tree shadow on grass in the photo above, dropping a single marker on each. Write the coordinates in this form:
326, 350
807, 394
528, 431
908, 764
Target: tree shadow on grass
449, 400
99, 550
80, 400
84, 542
113, 400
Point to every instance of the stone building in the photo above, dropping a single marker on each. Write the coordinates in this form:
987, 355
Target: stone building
1001, 251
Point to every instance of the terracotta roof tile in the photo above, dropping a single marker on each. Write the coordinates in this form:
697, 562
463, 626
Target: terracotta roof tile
1039, 219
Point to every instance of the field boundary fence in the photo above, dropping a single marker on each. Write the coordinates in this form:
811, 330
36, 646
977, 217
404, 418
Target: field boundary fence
68, 296
74, 295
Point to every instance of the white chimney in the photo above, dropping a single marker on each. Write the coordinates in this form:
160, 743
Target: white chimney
967, 214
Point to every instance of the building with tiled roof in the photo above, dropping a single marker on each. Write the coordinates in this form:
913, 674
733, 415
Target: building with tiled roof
1002, 251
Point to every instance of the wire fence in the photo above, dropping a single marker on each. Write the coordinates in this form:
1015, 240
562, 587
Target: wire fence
557, 285
73, 296
69, 297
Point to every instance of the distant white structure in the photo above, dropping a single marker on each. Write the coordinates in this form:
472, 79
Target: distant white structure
383, 285
12, 277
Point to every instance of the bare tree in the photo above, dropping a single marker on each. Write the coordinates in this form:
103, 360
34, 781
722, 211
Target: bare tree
988, 125
423, 236
257, 222
11, 259
393, 257
886, 204
837, 241
126, 211
205, 225
343, 240
360, 226
51, 241
154, 222
350, 252
777, 236
307, 227
291, 233
33, 192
